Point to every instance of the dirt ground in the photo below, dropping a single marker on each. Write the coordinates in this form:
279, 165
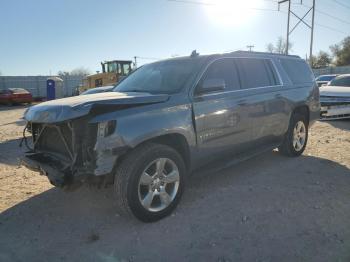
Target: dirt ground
269, 208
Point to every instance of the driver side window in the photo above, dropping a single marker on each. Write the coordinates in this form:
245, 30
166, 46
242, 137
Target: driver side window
223, 69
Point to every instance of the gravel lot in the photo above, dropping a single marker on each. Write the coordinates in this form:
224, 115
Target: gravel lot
269, 208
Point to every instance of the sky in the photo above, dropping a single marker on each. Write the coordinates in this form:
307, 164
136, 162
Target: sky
42, 37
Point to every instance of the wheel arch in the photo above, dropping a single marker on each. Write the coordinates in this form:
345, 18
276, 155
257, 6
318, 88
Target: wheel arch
302, 109
176, 141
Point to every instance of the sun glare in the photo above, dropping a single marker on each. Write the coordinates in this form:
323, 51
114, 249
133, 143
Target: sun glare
231, 12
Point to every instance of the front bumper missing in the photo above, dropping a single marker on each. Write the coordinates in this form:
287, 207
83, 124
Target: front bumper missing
48, 166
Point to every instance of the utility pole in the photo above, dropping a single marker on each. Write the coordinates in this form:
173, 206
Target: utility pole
312, 30
301, 20
250, 47
288, 21
135, 61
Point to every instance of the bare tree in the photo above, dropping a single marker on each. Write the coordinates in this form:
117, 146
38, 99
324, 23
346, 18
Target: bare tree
62, 73
270, 48
280, 47
79, 71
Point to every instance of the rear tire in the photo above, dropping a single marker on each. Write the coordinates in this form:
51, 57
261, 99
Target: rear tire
295, 139
149, 182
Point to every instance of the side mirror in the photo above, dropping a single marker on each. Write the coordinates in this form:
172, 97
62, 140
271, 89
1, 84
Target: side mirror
211, 85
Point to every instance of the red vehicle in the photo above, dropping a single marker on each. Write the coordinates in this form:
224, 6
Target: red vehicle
15, 96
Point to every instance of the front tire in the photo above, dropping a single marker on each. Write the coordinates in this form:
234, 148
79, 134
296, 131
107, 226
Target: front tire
295, 140
149, 182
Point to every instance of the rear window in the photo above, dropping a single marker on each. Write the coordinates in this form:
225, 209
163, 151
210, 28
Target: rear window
297, 70
340, 81
256, 73
325, 78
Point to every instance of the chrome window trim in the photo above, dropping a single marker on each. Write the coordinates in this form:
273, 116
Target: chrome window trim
192, 90
240, 90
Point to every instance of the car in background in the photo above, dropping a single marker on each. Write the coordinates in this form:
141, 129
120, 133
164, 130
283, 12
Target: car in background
335, 98
324, 79
12, 96
98, 90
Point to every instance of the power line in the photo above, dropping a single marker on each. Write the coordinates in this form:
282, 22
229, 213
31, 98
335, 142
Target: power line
300, 20
324, 26
331, 28
342, 4
280, 11
144, 58
214, 4
326, 14
148, 58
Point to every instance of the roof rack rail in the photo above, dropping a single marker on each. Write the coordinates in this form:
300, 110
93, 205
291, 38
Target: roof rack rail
262, 53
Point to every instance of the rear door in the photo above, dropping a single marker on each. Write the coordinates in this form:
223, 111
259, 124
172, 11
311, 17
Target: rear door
221, 119
263, 91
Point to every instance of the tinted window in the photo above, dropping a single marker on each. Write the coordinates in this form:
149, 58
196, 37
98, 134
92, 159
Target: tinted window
340, 81
224, 69
325, 78
297, 70
255, 72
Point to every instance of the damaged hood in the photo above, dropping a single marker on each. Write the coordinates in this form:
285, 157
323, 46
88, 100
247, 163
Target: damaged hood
338, 91
72, 107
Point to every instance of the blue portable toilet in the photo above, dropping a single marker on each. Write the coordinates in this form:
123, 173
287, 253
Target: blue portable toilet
50, 89
54, 88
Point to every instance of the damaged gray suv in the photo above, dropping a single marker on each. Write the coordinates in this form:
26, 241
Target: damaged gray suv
167, 119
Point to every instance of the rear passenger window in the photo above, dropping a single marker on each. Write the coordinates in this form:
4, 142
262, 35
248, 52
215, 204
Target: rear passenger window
297, 70
224, 69
255, 73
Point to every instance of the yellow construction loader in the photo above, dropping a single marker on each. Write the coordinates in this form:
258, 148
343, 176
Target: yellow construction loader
112, 72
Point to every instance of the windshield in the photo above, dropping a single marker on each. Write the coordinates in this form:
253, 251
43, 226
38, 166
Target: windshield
165, 77
340, 81
325, 78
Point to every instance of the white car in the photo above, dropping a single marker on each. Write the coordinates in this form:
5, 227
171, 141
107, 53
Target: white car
335, 98
324, 79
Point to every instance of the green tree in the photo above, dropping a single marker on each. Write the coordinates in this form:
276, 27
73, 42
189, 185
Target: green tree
323, 59
341, 52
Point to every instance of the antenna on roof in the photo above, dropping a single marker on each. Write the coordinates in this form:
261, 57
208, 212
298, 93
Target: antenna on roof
194, 53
